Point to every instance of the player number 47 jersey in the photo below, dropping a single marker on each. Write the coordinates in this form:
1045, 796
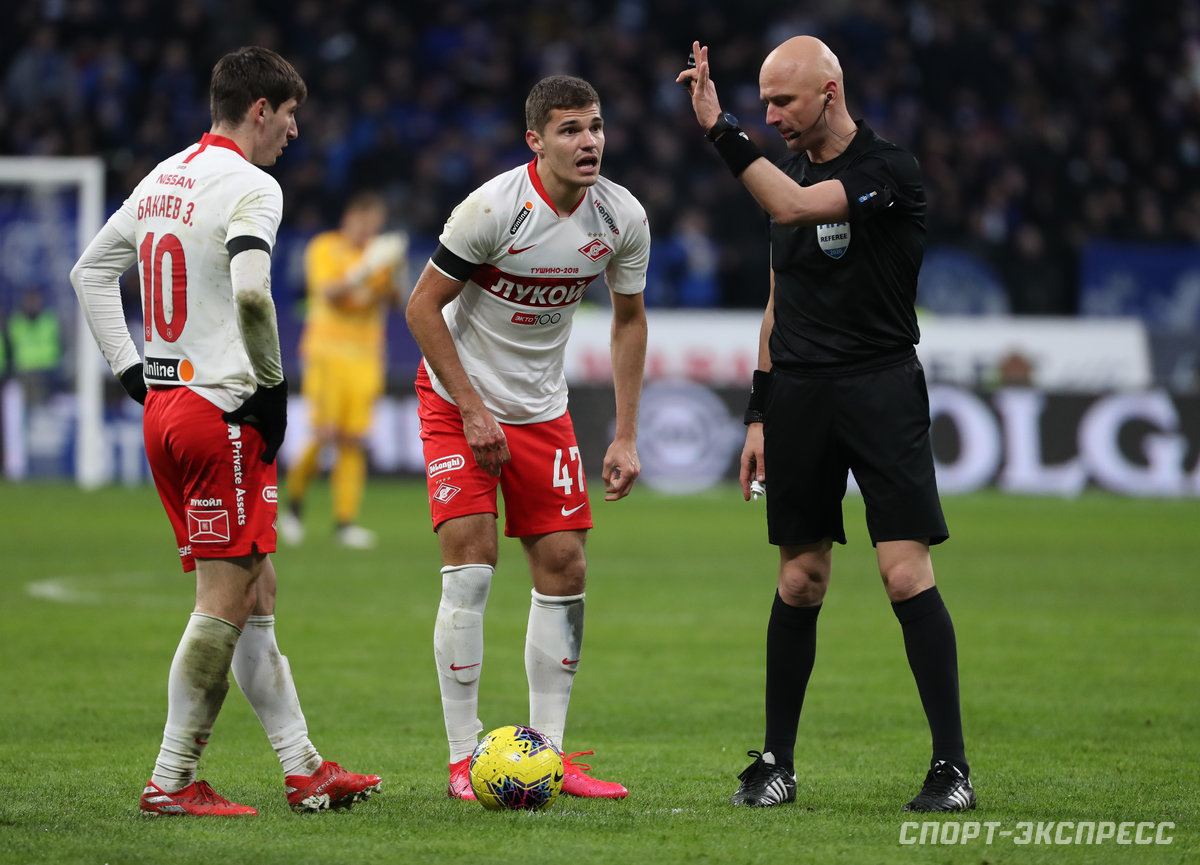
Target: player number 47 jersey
532, 268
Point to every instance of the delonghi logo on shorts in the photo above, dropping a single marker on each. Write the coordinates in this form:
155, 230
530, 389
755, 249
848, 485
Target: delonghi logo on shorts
270, 494
446, 464
834, 238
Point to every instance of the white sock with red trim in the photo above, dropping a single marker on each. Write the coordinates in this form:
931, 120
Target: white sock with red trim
265, 677
458, 652
552, 644
196, 688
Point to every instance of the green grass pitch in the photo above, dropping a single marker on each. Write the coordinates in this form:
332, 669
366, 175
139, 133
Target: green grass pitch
1079, 642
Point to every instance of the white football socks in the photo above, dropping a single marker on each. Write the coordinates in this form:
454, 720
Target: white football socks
458, 652
552, 645
196, 688
265, 677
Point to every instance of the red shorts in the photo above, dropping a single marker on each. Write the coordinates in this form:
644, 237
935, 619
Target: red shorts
544, 487
221, 498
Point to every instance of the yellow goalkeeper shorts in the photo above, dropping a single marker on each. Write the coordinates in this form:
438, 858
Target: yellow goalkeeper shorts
341, 392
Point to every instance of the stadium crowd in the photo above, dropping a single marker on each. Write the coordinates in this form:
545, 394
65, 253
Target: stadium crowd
1040, 124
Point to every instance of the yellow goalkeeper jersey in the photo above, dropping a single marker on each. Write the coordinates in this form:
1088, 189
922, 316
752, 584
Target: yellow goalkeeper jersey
351, 325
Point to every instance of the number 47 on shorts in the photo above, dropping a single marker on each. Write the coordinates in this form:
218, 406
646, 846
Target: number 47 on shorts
562, 471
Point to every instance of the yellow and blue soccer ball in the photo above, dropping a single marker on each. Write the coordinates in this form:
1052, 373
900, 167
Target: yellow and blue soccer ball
516, 768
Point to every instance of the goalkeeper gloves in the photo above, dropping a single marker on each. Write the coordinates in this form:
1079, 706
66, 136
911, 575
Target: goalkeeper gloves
266, 410
382, 252
134, 383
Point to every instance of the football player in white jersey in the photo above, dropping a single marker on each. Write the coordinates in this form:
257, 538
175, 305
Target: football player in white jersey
201, 227
492, 313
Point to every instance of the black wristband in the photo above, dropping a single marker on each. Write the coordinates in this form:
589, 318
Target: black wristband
738, 151
758, 397
134, 382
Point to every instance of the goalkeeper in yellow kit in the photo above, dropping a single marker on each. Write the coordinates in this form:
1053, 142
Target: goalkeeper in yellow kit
354, 276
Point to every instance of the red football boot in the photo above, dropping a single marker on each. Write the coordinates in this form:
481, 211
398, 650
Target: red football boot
330, 786
577, 782
197, 799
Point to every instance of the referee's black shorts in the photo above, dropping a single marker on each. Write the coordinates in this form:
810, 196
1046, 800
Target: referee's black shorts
874, 423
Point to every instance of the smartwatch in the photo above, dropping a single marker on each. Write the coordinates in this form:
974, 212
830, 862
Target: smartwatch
724, 123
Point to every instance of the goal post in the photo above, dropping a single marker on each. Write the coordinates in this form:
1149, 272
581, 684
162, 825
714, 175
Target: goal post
84, 175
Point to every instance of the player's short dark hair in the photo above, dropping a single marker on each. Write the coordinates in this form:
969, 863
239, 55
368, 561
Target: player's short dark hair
557, 91
242, 77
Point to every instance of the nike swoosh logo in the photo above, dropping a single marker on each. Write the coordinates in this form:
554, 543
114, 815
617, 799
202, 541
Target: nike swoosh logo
568, 662
198, 741
567, 513
512, 249
456, 668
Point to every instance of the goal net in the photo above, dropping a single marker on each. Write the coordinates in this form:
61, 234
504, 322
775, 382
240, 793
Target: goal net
52, 406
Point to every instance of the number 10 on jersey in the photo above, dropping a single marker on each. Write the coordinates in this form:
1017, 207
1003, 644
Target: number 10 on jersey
151, 255
562, 471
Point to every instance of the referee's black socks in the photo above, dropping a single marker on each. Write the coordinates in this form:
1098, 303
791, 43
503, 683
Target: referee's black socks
933, 656
791, 651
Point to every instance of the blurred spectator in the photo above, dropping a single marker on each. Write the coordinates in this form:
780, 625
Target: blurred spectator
1040, 124
686, 271
1037, 281
36, 345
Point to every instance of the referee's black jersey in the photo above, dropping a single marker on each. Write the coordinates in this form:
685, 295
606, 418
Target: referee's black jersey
845, 293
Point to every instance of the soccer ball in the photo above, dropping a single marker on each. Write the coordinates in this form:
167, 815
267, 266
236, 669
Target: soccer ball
516, 768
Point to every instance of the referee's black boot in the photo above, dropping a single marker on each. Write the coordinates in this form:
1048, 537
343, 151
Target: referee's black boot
946, 789
764, 783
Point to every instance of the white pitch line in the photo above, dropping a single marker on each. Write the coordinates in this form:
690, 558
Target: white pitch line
130, 588
61, 590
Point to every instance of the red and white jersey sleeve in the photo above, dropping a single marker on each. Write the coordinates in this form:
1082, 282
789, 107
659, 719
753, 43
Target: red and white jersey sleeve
182, 214
533, 265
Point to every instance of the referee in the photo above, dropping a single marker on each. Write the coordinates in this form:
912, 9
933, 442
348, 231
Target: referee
839, 388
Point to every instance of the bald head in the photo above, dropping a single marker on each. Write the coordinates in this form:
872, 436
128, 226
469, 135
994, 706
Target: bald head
805, 62
801, 86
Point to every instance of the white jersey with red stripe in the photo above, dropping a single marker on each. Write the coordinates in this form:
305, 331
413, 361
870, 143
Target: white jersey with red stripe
532, 267
176, 223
